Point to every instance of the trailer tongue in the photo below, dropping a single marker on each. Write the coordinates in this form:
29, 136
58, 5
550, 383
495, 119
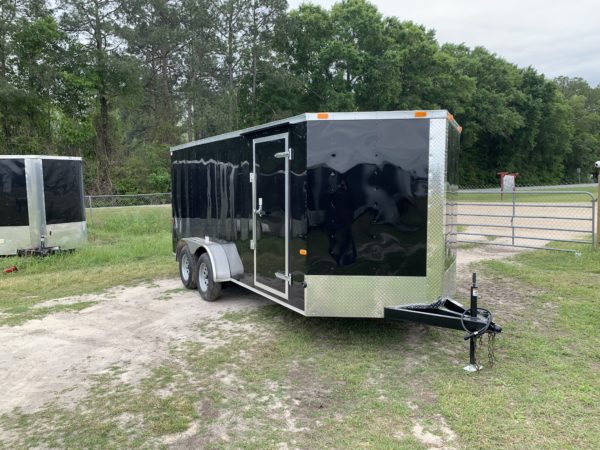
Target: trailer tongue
448, 313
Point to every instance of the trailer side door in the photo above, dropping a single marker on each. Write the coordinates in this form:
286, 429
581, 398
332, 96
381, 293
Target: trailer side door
270, 200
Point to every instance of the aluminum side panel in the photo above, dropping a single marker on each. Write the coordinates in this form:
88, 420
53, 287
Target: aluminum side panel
450, 217
35, 200
66, 235
14, 238
436, 210
449, 287
360, 296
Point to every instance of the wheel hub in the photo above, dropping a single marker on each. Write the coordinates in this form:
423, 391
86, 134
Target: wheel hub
203, 276
185, 267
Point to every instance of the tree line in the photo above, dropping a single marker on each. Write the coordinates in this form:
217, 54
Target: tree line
119, 81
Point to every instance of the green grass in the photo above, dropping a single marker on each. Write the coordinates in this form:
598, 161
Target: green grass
523, 197
338, 383
545, 391
277, 377
126, 245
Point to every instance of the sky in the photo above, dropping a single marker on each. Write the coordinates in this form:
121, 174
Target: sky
555, 37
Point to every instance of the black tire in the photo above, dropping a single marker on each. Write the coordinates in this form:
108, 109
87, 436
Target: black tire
209, 289
187, 268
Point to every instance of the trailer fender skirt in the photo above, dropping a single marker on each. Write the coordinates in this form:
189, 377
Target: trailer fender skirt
445, 313
224, 257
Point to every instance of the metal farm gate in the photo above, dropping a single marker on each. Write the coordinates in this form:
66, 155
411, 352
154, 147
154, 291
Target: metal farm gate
526, 219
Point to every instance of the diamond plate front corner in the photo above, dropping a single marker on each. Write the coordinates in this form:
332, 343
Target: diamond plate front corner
436, 208
360, 296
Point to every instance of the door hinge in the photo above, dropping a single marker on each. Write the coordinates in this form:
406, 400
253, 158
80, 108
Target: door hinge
282, 276
251, 177
287, 154
252, 244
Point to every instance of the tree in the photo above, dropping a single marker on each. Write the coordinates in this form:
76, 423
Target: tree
201, 88
258, 59
584, 105
156, 39
232, 19
95, 23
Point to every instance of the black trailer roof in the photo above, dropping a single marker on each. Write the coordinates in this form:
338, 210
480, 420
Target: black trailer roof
366, 115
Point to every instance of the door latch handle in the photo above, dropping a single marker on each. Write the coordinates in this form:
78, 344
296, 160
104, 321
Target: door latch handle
287, 154
260, 211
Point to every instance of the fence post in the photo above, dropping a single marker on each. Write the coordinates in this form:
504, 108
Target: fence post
594, 221
512, 219
90, 203
597, 215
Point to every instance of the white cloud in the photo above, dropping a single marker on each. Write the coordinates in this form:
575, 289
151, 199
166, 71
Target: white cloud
557, 38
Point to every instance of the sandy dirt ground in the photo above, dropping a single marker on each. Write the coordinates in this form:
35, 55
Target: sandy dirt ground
54, 359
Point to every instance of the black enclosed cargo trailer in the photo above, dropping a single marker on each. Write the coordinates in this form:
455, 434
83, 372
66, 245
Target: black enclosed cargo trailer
41, 204
328, 214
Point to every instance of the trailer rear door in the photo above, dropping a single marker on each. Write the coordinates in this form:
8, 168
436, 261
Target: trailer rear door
271, 213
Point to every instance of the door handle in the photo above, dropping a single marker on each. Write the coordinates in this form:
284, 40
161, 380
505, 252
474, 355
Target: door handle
284, 277
287, 154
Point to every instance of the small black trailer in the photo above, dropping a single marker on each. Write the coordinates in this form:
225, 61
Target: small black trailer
328, 214
41, 204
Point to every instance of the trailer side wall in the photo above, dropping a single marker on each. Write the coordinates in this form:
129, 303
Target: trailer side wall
13, 193
63, 191
367, 197
212, 196
14, 216
63, 202
380, 231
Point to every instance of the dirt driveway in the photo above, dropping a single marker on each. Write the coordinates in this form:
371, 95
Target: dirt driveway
53, 357
56, 360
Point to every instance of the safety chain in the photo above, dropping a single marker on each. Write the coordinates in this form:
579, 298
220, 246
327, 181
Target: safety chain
478, 343
491, 349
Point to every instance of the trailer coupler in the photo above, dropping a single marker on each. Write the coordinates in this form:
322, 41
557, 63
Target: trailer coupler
38, 251
448, 313
42, 250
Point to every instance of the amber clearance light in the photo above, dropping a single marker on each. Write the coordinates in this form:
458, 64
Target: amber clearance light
420, 113
322, 115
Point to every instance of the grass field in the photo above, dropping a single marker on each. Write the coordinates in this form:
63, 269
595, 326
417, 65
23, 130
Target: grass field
279, 380
126, 245
523, 196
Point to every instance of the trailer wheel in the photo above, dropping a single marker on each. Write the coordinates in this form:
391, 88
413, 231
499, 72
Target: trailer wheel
187, 268
208, 288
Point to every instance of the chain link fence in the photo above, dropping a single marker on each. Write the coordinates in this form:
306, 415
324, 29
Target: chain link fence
115, 201
93, 202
